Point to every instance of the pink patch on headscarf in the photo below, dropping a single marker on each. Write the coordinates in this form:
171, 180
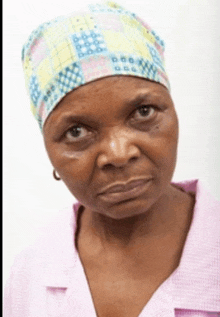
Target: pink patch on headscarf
96, 67
42, 111
143, 23
38, 51
159, 48
109, 22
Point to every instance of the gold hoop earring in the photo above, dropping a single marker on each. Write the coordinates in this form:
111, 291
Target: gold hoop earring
57, 178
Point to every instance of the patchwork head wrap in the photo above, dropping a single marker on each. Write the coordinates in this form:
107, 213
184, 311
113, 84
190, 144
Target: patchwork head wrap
69, 51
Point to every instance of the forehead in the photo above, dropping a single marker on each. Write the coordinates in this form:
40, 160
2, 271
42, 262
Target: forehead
109, 94
114, 87
110, 85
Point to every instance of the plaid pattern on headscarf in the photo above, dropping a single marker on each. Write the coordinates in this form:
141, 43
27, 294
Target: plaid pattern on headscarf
69, 51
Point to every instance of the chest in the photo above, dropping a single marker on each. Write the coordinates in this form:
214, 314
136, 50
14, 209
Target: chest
118, 292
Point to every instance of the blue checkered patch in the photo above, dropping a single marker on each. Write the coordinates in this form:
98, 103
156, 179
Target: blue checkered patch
34, 90
70, 77
124, 63
88, 43
147, 69
154, 54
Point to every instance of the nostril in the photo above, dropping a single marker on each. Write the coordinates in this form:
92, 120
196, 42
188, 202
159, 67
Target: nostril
133, 159
108, 167
118, 156
119, 165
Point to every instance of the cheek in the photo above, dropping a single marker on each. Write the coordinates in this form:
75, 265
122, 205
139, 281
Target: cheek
74, 168
164, 140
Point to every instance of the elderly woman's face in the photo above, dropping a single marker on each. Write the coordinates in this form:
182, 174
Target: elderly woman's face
113, 142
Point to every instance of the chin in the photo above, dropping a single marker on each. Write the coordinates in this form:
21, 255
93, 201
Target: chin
127, 209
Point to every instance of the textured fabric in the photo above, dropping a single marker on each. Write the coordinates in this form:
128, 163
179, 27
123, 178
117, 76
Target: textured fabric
72, 50
48, 278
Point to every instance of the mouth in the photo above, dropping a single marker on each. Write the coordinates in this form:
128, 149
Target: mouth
119, 192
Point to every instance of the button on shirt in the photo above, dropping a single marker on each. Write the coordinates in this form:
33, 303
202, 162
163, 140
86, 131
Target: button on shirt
48, 278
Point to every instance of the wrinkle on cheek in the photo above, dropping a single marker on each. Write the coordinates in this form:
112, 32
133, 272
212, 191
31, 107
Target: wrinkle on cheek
75, 165
69, 161
167, 132
162, 145
64, 159
72, 155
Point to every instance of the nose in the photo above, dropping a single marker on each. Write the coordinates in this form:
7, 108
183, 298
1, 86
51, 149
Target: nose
118, 150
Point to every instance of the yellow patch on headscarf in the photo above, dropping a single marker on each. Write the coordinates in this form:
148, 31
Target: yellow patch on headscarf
44, 72
117, 42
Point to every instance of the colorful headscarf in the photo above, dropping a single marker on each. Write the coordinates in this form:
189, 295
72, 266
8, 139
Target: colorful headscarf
69, 51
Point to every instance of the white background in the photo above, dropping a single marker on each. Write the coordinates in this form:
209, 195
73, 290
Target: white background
190, 29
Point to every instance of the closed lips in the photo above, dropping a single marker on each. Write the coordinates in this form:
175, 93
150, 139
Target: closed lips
124, 187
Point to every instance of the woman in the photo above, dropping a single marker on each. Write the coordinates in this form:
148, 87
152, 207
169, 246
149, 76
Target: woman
136, 244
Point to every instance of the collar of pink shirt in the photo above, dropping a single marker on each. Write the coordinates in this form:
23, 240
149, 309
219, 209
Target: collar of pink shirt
193, 289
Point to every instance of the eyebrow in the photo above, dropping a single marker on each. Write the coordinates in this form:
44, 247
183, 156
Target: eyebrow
85, 119
138, 99
143, 96
68, 119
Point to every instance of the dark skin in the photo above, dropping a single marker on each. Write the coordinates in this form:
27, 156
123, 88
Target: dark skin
120, 129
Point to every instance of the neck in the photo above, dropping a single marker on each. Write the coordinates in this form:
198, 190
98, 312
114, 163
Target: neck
119, 231
165, 215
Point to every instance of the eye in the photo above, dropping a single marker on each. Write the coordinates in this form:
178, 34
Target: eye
144, 112
77, 132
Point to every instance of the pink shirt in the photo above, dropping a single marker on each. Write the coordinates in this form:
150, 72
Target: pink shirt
48, 279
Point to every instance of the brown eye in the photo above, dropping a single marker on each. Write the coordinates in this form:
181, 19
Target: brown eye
76, 133
144, 112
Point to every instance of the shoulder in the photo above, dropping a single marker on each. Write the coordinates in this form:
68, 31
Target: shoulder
205, 225
47, 262
54, 243
198, 271
204, 200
